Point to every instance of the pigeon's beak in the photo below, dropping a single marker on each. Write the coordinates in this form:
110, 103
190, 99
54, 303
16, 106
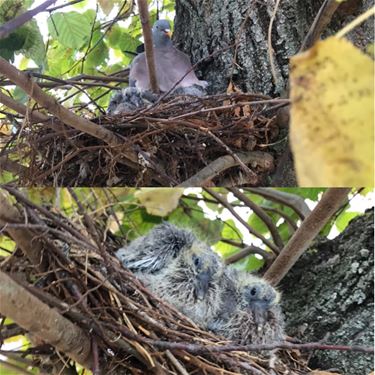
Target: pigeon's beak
168, 33
202, 285
259, 311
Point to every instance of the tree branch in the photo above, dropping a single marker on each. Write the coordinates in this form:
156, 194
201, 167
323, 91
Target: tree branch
248, 250
26, 240
23, 308
34, 91
203, 349
223, 163
293, 201
309, 229
223, 201
149, 45
261, 214
322, 19
13, 24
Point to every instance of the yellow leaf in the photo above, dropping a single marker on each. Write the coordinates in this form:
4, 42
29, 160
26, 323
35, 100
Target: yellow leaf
331, 131
159, 201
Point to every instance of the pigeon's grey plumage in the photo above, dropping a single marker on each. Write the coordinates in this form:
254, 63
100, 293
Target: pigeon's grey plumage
178, 268
171, 66
170, 63
249, 312
185, 272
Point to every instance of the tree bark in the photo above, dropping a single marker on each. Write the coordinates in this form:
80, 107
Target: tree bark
329, 296
206, 27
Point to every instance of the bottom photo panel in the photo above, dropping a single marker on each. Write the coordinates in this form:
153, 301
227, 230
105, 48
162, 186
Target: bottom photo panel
186, 281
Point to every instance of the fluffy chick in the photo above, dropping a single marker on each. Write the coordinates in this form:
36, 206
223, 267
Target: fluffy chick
178, 268
249, 312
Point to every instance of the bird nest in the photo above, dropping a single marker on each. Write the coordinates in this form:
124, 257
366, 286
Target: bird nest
217, 140
132, 330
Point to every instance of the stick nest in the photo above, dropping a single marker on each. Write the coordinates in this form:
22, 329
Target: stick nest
135, 332
219, 140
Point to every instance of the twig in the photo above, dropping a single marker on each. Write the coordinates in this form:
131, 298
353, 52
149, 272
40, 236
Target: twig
286, 217
261, 214
202, 349
244, 167
309, 229
356, 22
322, 19
235, 105
205, 175
34, 91
248, 250
13, 24
270, 49
149, 48
53, 328
227, 205
295, 202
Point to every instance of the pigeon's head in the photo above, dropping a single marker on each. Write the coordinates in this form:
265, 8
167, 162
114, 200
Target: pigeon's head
202, 267
161, 33
258, 297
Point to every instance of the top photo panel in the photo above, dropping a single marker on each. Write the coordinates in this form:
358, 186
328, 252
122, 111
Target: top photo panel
184, 93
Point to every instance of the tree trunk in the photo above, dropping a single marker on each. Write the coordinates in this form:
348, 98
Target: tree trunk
206, 27
328, 295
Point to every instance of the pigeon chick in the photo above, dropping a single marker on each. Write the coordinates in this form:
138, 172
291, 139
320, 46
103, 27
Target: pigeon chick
249, 312
178, 268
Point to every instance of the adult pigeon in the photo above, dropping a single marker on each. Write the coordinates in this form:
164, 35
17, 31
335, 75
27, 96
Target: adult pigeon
170, 63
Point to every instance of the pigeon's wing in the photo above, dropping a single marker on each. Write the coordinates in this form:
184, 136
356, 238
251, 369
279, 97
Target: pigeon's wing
175, 65
171, 65
138, 75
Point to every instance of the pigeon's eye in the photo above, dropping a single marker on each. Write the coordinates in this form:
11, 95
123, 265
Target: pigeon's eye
197, 261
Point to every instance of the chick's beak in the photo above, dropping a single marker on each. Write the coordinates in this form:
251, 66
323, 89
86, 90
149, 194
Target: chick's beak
203, 281
259, 310
168, 33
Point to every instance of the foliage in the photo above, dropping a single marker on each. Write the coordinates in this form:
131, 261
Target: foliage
127, 215
80, 39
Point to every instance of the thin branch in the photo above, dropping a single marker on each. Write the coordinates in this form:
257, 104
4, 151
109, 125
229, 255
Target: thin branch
34, 91
282, 214
227, 205
356, 22
293, 201
149, 48
321, 21
203, 349
13, 24
268, 256
27, 241
309, 229
261, 214
212, 170
270, 49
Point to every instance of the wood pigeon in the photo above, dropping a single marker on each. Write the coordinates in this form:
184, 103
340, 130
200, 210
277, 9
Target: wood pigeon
171, 64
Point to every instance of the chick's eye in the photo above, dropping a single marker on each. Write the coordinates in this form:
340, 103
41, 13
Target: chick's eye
196, 261
253, 291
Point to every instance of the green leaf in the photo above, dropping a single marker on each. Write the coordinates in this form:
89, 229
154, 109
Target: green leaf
257, 224
71, 29
34, 47
343, 220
